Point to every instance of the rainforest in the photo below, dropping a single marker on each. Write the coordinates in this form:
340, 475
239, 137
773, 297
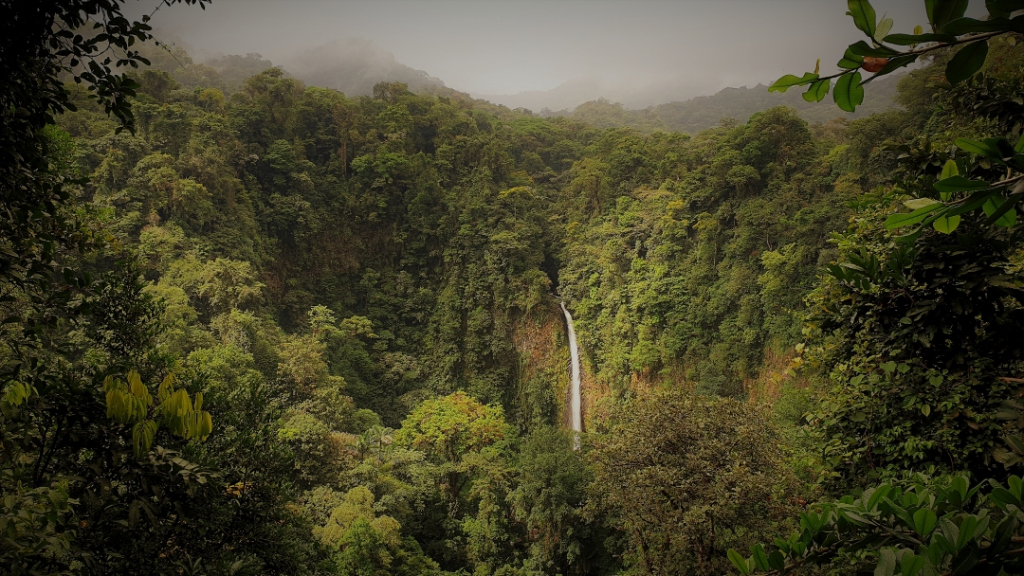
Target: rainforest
254, 326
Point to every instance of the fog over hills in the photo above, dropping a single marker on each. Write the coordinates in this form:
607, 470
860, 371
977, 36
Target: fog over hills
570, 94
353, 66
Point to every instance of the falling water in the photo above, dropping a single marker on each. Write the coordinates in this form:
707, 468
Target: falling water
574, 400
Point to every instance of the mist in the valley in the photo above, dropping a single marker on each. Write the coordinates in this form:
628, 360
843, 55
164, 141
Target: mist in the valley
534, 54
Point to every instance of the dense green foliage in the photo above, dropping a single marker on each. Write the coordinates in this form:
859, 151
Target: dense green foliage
685, 477
689, 275
273, 329
915, 335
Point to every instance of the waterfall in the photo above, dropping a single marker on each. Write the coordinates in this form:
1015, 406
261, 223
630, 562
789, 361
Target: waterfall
574, 399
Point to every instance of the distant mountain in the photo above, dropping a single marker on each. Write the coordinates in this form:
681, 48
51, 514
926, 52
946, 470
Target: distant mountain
740, 103
704, 112
353, 66
575, 92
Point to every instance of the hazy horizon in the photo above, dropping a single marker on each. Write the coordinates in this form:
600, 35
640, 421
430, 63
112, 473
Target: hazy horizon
640, 52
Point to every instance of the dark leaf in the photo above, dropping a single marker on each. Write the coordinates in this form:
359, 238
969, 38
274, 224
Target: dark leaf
942, 11
862, 48
913, 39
966, 62
962, 26
960, 184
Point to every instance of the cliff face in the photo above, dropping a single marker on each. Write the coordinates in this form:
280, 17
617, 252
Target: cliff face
542, 393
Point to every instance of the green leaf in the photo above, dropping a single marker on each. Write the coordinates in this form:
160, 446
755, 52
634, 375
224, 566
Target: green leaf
947, 535
1004, 218
760, 558
848, 93
973, 202
918, 203
776, 560
1003, 8
961, 484
942, 11
949, 170
886, 562
850, 60
1004, 534
914, 39
962, 26
738, 561
862, 48
966, 62
1019, 148
863, 16
946, 224
911, 564
788, 81
926, 410
960, 184
964, 564
979, 148
876, 496
967, 531
907, 219
882, 29
817, 91
1004, 497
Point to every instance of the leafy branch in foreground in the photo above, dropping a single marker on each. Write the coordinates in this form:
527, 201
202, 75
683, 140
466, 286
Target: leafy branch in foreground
959, 195
883, 53
931, 526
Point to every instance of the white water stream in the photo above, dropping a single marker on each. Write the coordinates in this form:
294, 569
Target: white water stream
574, 394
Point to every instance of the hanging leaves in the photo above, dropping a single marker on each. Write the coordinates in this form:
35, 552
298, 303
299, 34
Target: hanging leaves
131, 404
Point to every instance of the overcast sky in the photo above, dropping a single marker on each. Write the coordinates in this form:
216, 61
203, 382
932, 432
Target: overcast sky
489, 47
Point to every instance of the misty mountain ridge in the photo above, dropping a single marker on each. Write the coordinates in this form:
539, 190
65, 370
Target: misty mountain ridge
739, 104
354, 65
574, 92
351, 66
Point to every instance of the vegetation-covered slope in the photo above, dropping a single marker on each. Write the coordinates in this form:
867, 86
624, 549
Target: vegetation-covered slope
280, 330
